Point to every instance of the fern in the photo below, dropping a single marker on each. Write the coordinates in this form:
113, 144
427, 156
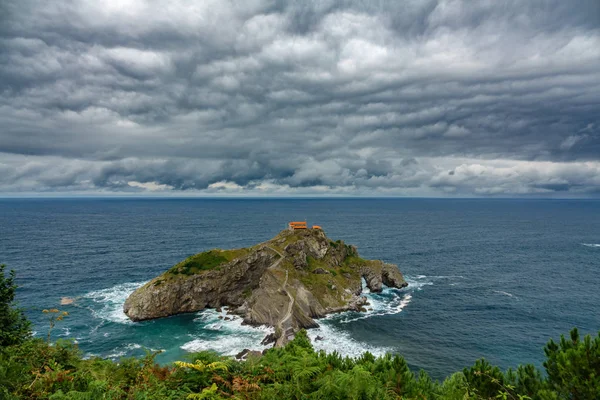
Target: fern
200, 366
207, 393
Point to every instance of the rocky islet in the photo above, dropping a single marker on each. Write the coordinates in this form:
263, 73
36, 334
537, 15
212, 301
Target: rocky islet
286, 283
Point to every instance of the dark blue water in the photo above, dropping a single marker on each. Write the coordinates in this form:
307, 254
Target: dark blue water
489, 278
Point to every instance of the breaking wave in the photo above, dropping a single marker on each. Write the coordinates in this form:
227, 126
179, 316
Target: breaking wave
107, 304
227, 337
66, 332
417, 283
591, 244
387, 303
126, 350
335, 339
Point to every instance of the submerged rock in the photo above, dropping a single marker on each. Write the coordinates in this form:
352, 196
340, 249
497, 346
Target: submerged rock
65, 301
286, 283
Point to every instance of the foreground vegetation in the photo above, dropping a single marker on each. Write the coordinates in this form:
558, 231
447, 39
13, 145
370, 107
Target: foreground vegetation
37, 369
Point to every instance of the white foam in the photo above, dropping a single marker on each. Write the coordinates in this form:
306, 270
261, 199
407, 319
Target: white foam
423, 277
122, 351
338, 340
505, 293
66, 332
389, 302
225, 337
214, 327
228, 345
417, 283
109, 302
233, 337
380, 306
116, 354
591, 244
404, 302
364, 287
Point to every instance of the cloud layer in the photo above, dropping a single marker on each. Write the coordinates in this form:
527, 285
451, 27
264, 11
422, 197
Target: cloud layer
425, 98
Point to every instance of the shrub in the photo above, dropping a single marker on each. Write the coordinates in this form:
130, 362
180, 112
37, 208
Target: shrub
199, 262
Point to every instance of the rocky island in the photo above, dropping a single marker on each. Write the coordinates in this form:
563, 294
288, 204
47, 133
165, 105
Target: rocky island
287, 282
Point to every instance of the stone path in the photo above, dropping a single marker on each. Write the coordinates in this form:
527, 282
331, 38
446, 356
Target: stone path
282, 338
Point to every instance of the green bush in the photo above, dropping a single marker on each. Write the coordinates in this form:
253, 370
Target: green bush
199, 262
573, 366
206, 261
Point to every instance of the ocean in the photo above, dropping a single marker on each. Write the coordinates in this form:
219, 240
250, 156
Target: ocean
487, 278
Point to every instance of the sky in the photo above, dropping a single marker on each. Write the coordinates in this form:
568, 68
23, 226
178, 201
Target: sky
434, 98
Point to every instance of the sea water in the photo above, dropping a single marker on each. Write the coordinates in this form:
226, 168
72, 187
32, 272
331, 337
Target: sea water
487, 278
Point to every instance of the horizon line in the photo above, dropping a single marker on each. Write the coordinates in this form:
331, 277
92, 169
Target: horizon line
289, 197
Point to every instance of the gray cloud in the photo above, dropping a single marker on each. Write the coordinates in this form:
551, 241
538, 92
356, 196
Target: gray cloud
423, 97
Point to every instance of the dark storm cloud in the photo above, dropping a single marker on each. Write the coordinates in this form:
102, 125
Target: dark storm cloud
423, 97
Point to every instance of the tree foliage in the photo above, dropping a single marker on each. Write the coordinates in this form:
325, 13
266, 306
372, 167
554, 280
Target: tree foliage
573, 366
35, 369
14, 326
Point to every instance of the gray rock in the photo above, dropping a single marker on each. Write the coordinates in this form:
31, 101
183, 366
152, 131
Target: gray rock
270, 338
242, 354
320, 271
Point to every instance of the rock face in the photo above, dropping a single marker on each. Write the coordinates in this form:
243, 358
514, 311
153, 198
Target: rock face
286, 282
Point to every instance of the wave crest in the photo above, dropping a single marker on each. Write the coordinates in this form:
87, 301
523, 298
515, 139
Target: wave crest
227, 337
107, 304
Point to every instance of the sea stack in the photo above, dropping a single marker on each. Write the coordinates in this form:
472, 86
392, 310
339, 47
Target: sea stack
287, 282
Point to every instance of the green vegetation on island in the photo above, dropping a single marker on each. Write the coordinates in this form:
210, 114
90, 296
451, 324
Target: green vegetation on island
206, 261
33, 368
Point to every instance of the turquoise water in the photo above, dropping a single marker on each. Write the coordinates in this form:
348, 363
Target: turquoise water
488, 278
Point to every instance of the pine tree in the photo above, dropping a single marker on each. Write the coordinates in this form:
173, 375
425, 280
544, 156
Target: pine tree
573, 366
14, 326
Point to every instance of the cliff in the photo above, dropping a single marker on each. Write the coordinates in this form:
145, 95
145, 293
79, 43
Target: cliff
286, 282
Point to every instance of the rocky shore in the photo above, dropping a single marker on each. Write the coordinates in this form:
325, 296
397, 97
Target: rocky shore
287, 283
